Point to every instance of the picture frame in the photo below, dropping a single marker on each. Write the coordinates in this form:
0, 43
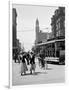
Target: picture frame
10, 51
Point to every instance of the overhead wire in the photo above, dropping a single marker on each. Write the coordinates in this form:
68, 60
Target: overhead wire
31, 30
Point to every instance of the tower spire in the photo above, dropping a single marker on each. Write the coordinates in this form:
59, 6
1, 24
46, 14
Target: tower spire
37, 30
37, 22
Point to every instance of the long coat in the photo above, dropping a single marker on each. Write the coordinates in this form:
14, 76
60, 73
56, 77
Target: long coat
32, 62
23, 65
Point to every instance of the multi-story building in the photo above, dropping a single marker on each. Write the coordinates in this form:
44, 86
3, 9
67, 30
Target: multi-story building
58, 28
14, 31
18, 45
58, 23
40, 36
37, 29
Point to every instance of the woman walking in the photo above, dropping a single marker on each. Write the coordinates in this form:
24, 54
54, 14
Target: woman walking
23, 65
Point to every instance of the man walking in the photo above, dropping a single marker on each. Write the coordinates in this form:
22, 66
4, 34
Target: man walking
32, 62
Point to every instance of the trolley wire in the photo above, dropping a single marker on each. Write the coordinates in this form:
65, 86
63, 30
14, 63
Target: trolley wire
32, 30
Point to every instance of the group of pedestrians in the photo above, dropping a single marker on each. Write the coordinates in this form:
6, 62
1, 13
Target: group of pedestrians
27, 59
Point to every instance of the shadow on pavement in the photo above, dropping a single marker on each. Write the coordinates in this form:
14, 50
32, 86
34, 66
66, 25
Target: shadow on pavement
36, 73
49, 69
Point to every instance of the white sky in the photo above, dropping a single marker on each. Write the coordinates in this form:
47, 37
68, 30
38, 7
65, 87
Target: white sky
26, 18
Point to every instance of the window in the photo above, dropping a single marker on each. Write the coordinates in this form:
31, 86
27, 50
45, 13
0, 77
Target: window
58, 24
57, 34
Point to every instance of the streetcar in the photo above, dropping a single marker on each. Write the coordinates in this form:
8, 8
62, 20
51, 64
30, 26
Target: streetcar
53, 49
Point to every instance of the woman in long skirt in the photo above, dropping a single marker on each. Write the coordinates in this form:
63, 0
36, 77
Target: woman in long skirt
23, 65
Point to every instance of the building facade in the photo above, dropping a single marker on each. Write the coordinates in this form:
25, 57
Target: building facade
58, 23
14, 30
58, 29
40, 36
18, 45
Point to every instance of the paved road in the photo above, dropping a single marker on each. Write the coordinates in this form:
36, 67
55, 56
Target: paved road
54, 74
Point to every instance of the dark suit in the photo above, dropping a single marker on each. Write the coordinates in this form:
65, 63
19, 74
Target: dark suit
32, 60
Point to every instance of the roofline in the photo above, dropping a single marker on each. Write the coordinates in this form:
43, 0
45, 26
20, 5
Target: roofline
53, 41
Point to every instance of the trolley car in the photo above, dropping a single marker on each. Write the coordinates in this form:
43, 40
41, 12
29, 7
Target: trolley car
54, 50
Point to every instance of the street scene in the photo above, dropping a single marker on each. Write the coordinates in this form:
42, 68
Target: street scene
38, 44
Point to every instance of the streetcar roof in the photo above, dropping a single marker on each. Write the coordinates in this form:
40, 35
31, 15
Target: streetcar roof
52, 41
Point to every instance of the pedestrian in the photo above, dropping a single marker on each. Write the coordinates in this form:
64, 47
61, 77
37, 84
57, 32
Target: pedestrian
39, 59
19, 58
27, 58
32, 62
42, 60
46, 65
23, 65
15, 57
